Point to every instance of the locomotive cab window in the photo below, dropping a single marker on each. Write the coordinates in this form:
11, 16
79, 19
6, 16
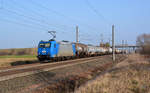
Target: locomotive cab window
44, 45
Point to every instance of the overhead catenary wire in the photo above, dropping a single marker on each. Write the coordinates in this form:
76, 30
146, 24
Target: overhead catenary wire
23, 24
40, 15
28, 26
97, 12
40, 26
42, 22
31, 21
62, 15
44, 8
39, 22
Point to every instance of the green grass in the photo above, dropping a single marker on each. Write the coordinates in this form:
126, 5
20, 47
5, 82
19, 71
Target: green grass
19, 56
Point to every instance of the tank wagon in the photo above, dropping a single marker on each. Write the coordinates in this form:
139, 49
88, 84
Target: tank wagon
52, 50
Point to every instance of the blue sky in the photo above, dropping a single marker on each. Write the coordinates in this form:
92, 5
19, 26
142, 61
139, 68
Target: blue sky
23, 23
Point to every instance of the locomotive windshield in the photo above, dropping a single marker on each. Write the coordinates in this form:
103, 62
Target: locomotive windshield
44, 45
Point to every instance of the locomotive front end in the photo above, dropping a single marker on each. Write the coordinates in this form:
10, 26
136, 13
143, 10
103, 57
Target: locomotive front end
44, 50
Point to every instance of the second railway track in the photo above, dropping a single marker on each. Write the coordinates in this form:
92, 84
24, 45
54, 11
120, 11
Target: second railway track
6, 74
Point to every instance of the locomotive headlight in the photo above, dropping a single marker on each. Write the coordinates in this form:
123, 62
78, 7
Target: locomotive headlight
43, 51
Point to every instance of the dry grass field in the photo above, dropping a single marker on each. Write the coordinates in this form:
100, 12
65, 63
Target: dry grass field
129, 76
9, 57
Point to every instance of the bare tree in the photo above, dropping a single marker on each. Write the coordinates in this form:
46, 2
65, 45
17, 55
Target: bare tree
144, 41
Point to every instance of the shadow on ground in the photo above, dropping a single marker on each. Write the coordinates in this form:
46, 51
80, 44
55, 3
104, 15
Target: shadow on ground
23, 62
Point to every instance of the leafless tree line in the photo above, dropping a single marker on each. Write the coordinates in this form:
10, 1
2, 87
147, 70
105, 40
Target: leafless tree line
144, 42
24, 51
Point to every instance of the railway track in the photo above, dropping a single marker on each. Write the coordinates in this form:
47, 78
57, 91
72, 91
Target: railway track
5, 69
14, 72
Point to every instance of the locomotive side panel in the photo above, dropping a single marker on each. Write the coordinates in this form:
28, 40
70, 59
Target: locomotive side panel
66, 50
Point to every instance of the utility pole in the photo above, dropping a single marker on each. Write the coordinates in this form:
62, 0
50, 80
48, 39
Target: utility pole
123, 46
77, 34
101, 38
126, 48
113, 43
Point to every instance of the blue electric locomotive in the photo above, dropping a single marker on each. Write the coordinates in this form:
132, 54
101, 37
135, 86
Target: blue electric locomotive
51, 49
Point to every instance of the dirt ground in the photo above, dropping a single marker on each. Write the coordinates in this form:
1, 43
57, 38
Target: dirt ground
130, 76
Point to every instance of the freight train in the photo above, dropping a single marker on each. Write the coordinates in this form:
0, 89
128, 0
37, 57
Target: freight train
53, 50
